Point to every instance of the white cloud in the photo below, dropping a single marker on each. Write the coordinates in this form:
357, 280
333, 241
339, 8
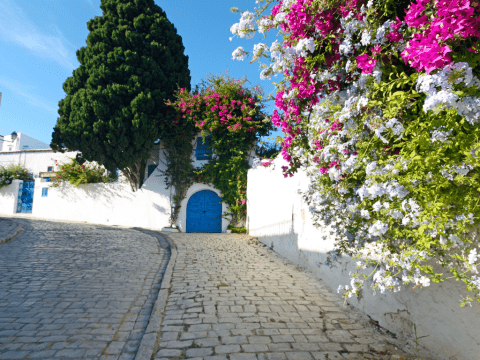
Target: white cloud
15, 27
22, 90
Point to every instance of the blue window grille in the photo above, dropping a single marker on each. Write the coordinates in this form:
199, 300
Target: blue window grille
44, 192
151, 169
203, 151
50, 169
47, 179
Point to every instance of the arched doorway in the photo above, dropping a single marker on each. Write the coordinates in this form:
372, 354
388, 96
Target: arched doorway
204, 210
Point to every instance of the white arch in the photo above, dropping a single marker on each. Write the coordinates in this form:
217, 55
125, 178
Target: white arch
182, 217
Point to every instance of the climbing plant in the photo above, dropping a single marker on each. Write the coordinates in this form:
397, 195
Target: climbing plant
232, 114
176, 136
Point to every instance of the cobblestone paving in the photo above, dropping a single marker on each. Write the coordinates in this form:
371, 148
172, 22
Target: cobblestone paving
231, 299
76, 291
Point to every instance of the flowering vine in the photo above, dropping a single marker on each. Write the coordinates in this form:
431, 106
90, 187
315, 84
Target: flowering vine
380, 104
232, 116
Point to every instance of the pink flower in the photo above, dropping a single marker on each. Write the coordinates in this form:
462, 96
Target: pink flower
394, 36
366, 63
242, 201
376, 49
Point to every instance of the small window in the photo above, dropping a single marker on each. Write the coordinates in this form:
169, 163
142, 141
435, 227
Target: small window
44, 192
151, 169
50, 169
203, 151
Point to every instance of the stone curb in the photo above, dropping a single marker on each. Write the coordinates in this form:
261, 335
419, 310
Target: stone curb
12, 235
147, 345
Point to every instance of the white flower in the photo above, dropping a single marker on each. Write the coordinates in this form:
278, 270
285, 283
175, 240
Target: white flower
377, 206
396, 126
366, 37
258, 49
239, 54
396, 214
365, 214
378, 228
279, 18
304, 45
264, 24
472, 256
276, 49
266, 74
442, 136
245, 26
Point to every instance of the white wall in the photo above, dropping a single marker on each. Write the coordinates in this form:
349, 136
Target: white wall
9, 198
108, 204
36, 161
280, 218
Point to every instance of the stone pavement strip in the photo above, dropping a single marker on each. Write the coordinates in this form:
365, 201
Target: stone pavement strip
8, 230
230, 298
77, 291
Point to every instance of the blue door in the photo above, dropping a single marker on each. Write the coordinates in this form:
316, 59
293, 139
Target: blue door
204, 209
25, 197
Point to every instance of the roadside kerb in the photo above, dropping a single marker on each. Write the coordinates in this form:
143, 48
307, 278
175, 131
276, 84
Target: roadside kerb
147, 345
11, 234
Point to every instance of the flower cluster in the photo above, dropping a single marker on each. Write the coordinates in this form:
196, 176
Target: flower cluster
232, 115
12, 172
380, 104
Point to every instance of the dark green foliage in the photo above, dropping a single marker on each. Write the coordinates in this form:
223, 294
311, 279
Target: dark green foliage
134, 60
268, 151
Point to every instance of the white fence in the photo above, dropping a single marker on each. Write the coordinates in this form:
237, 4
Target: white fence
280, 218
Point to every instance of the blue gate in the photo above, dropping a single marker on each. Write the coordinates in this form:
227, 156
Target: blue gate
204, 210
25, 197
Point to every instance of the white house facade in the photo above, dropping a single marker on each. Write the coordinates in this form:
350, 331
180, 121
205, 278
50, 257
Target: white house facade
19, 142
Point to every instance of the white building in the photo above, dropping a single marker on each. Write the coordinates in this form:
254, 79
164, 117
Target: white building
20, 141
114, 203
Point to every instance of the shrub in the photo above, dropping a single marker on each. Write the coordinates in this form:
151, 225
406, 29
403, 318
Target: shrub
77, 174
13, 172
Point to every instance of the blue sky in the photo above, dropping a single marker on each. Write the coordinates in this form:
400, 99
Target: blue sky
39, 40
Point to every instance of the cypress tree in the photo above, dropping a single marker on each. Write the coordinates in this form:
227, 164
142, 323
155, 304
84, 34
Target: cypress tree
133, 62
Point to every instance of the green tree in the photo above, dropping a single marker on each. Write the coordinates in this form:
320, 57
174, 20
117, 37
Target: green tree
133, 62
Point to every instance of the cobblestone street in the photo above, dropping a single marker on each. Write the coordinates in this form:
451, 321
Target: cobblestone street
233, 299
81, 291
77, 291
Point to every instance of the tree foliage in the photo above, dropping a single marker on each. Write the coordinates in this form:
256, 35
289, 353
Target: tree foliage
133, 62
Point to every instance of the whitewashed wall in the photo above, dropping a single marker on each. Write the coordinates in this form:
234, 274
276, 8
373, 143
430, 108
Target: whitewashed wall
108, 204
9, 197
280, 218
36, 161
